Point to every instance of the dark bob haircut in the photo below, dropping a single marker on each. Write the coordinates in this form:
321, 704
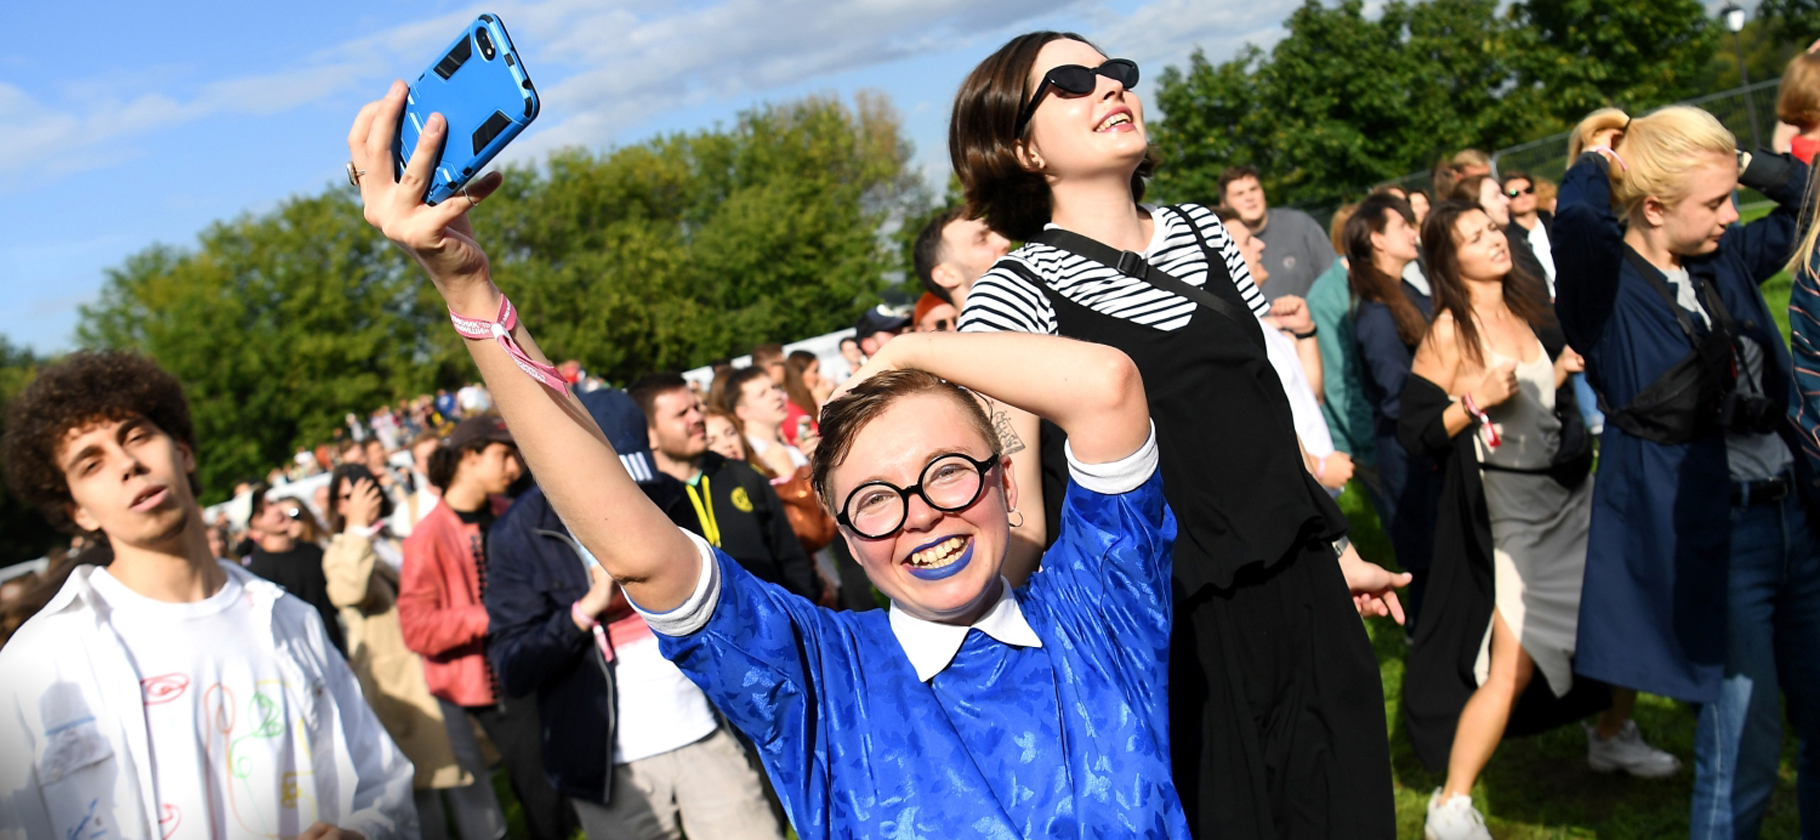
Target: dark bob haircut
86, 388
983, 142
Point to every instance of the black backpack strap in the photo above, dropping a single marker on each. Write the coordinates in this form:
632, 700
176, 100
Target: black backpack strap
1658, 281
1132, 264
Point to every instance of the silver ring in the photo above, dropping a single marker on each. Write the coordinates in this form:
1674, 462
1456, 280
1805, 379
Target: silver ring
354, 174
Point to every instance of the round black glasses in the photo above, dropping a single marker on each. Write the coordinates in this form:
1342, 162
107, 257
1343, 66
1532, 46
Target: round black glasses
1076, 80
950, 483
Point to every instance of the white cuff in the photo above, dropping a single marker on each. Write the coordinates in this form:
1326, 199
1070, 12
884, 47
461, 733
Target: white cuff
692, 614
1121, 476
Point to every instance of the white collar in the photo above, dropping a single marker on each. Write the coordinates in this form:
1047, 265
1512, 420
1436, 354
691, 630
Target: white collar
931, 645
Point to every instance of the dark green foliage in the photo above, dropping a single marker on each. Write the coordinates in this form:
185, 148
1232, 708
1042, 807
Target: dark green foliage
1346, 101
664, 254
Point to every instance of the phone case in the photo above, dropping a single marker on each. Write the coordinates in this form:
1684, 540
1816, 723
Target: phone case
480, 86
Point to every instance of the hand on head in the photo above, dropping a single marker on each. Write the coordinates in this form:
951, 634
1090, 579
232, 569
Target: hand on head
363, 503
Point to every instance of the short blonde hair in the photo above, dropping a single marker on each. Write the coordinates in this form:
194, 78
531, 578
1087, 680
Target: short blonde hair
1798, 102
1658, 150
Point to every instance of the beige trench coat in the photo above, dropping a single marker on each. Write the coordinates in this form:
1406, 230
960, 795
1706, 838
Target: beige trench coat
390, 675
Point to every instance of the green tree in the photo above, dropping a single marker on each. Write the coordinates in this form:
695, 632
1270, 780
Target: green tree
660, 255
24, 532
1346, 101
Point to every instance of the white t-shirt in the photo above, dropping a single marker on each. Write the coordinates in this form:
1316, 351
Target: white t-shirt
1310, 425
659, 709
227, 751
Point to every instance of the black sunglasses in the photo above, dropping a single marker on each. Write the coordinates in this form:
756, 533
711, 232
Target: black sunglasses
1075, 80
1513, 192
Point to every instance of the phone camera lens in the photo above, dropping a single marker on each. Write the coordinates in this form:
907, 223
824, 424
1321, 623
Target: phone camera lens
485, 42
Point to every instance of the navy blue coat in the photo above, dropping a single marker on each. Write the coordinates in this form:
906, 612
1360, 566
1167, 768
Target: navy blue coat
1653, 613
534, 573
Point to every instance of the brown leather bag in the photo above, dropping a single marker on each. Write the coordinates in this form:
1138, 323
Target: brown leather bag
814, 528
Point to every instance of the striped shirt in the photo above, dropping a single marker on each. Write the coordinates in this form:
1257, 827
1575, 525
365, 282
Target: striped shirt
1003, 301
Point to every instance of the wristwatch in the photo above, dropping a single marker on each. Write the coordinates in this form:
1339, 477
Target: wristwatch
1340, 545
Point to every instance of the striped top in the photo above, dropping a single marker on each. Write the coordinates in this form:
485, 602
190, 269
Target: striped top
1003, 301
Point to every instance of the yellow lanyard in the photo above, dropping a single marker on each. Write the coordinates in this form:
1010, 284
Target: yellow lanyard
704, 510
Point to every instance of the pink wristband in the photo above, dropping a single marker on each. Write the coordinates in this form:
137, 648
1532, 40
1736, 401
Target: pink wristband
501, 330
1622, 166
1491, 431
582, 617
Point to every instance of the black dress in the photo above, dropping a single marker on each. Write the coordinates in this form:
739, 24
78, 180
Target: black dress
1276, 707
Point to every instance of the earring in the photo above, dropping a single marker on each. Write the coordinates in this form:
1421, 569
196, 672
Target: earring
1020, 518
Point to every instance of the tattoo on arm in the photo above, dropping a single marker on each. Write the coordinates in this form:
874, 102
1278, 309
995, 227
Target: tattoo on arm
1008, 440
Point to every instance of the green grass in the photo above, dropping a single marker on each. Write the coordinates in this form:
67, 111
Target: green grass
1540, 787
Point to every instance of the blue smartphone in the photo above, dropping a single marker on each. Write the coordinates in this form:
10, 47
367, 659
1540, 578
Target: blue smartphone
480, 86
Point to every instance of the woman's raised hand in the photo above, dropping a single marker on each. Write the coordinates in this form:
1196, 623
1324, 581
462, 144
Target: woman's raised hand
438, 237
1496, 386
363, 504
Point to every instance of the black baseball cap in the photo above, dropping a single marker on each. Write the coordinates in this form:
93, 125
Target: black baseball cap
878, 319
486, 427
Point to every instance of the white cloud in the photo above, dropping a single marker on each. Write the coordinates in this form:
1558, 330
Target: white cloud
610, 66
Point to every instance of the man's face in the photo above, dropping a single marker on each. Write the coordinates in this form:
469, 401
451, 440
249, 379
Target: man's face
1246, 195
129, 479
775, 368
969, 249
871, 344
493, 468
678, 430
375, 456
849, 350
1522, 193
1252, 249
420, 455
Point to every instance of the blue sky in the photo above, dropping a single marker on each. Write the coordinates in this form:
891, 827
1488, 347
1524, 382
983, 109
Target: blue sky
129, 124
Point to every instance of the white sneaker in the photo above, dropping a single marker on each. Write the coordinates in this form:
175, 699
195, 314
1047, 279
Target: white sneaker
1454, 819
1627, 751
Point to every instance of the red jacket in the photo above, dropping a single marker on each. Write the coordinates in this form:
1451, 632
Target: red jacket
439, 606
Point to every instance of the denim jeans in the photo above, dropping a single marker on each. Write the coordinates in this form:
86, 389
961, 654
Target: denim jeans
1772, 630
1589, 402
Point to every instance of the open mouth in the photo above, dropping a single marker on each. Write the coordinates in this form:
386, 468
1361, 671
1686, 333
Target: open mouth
1114, 121
149, 498
941, 559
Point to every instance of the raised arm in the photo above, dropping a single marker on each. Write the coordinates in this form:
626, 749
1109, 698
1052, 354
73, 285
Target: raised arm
571, 458
1766, 242
1588, 250
1092, 391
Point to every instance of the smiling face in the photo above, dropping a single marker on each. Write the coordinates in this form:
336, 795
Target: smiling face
1693, 225
1480, 247
129, 479
1086, 136
939, 566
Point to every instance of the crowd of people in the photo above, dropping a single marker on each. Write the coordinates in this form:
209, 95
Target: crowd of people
706, 610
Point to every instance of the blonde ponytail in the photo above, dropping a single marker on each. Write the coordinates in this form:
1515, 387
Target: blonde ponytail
1659, 149
1603, 119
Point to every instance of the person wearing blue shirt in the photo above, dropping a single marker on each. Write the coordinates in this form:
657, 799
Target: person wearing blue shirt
967, 709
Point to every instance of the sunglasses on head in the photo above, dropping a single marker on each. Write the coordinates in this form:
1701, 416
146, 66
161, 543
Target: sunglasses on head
294, 512
1076, 80
1513, 192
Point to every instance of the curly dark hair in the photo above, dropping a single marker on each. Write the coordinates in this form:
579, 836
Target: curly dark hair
83, 389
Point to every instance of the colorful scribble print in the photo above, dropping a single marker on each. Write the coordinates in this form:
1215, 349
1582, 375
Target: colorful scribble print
163, 688
169, 817
90, 827
250, 742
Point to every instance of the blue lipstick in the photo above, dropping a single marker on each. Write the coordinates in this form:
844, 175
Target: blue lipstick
947, 571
